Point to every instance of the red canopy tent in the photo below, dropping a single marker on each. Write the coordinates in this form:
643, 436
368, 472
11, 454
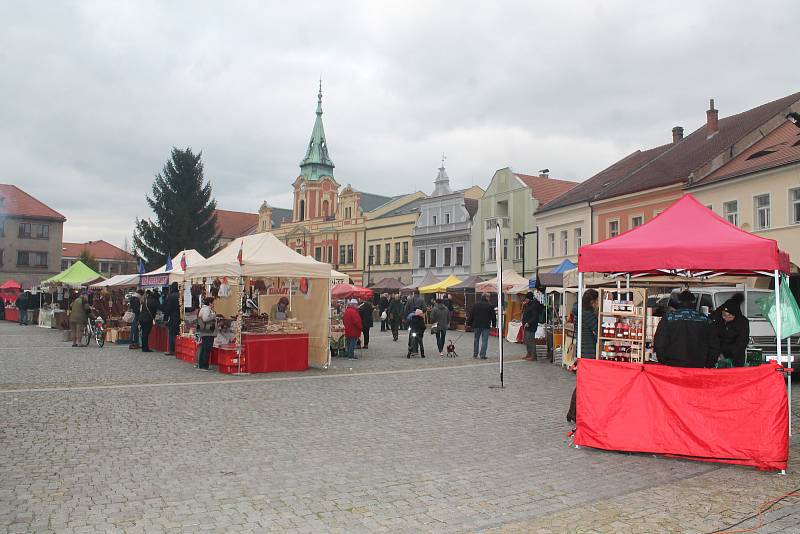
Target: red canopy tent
11, 284
680, 414
349, 291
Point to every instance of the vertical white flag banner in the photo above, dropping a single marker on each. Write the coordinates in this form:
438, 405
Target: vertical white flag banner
499, 260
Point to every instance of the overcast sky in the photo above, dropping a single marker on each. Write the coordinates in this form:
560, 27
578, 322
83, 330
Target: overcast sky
94, 94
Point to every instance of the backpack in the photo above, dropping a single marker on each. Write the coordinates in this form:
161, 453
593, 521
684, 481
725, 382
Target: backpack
206, 326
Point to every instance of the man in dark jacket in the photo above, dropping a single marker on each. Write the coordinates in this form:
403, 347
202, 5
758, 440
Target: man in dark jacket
172, 315
686, 337
531, 309
22, 308
395, 315
416, 333
382, 307
150, 306
135, 303
733, 330
482, 317
365, 310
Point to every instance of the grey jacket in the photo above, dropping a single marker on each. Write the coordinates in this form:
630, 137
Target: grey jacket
440, 316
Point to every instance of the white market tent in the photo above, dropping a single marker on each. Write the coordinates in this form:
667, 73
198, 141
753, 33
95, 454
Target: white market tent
265, 256
118, 281
338, 278
160, 276
510, 279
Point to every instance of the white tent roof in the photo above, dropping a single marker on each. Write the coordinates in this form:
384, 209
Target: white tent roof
120, 280
338, 277
263, 255
192, 258
510, 279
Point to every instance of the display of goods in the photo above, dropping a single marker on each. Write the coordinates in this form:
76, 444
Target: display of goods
256, 324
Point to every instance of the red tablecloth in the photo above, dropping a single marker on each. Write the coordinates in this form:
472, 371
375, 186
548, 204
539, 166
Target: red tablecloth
186, 350
12, 314
158, 339
267, 353
736, 416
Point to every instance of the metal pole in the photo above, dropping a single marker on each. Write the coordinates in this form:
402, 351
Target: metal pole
498, 254
778, 316
789, 380
579, 326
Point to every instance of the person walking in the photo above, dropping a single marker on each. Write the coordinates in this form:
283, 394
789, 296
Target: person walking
531, 310
172, 314
394, 315
383, 306
22, 308
135, 305
147, 317
207, 328
416, 328
78, 315
352, 328
482, 317
440, 317
365, 310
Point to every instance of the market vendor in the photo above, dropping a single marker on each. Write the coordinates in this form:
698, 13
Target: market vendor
685, 337
733, 330
280, 312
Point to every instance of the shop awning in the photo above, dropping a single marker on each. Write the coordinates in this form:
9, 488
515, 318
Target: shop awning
263, 255
686, 239
387, 284
10, 285
161, 277
78, 274
441, 287
120, 280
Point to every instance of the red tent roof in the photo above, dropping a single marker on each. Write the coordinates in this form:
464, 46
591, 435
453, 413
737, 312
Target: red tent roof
686, 236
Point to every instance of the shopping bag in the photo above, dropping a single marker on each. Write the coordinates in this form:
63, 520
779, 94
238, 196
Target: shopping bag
790, 311
128, 317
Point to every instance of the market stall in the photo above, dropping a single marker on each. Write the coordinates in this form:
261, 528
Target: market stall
462, 296
427, 280
350, 291
338, 278
624, 405
265, 271
440, 287
387, 285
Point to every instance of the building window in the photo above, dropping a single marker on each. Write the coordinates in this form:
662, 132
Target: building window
421, 259
302, 210
730, 210
551, 245
23, 258
388, 253
794, 199
25, 231
42, 231
40, 259
433, 257
564, 242
505, 249
325, 208
578, 238
349, 254
636, 221
405, 251
64, 265
459, 255
342, 253
434, 220
348, 213
762, 211
370, 258
377, 254
519, 246
103, 267
397, 252
491, 250
447, 218
447, 253
330, 254
318, 253
613, 228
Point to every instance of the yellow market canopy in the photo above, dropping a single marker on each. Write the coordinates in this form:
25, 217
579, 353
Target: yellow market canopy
440, 287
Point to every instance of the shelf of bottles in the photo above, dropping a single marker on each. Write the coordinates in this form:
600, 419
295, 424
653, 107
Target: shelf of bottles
622, 325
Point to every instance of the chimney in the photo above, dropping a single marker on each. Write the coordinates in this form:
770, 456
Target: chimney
677, 134
712, 119
544, 173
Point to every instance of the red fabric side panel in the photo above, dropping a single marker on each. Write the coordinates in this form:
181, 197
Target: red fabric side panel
727, 415
269, 353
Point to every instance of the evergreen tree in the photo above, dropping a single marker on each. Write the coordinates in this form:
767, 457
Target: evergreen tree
184, 210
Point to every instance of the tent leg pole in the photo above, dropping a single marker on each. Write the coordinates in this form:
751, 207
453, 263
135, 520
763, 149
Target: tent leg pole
578, 330
789, 381
780, 345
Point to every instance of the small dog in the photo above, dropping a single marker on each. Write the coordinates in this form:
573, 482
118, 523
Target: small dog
451, 349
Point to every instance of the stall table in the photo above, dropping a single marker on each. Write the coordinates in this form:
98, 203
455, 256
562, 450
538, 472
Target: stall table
261, 353
158, 339
12, 314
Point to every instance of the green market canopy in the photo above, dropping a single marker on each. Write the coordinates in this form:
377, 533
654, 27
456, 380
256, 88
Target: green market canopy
79, 274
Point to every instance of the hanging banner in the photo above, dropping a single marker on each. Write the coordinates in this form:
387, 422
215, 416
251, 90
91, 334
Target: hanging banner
155, 280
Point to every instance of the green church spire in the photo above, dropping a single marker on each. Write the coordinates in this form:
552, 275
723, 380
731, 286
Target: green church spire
317, 163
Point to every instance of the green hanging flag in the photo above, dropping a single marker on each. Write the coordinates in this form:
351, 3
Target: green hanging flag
790, 311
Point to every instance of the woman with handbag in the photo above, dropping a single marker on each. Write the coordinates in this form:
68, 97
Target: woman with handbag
146, 319
206, 327
440, 317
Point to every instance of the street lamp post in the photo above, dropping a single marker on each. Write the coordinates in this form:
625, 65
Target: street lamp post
522, 237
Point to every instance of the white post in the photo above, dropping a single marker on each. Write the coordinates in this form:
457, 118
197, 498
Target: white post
579, 326
789, 380
778, 315
328, 364
499, 260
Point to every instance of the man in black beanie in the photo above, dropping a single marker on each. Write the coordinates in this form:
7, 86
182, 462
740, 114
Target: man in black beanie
685, 337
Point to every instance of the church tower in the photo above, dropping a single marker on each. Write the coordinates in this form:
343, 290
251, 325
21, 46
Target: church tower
264, 218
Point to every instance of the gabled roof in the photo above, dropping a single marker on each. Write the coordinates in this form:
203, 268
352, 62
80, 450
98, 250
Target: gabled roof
233, 224
405, 209
370, 202
673, 163
779, 147
99, 250
471, 204
544, 189
16, 202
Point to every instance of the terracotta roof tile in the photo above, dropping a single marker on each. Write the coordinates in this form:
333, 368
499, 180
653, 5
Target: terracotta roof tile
233, 224
16, 202
545, 189
779, 147
100, 250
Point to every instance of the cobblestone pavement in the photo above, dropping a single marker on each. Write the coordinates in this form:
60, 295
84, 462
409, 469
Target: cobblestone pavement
106, 440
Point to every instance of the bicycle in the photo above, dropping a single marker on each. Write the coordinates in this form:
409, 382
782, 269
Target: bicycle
94, 329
